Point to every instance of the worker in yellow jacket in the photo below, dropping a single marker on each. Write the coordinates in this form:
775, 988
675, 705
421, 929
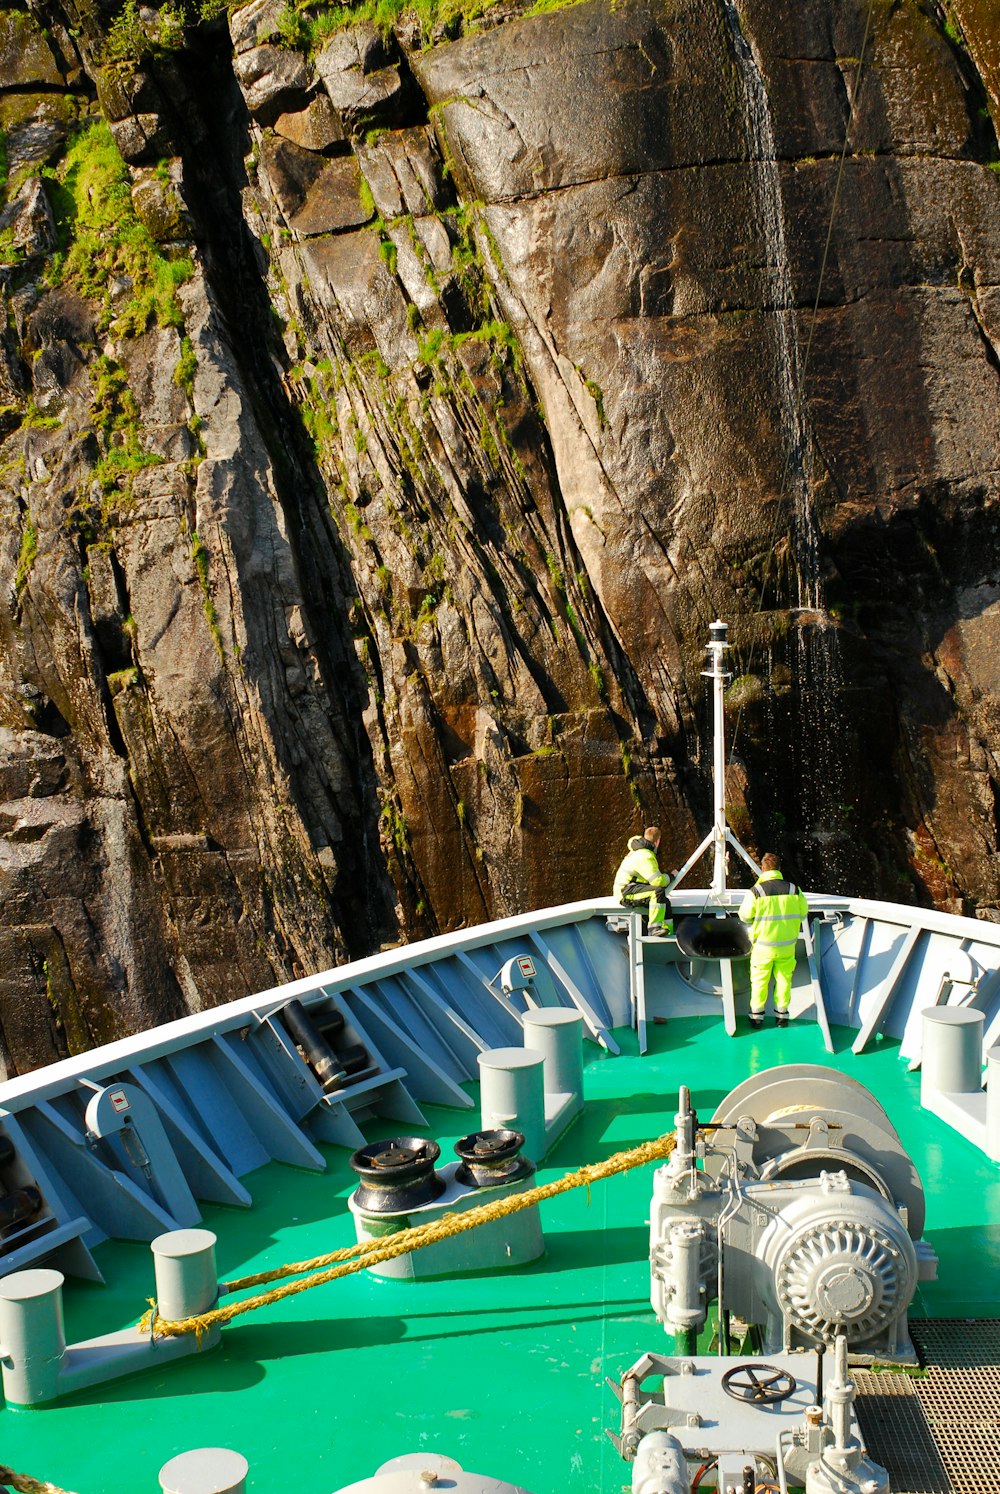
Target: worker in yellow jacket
774, 908
639, 880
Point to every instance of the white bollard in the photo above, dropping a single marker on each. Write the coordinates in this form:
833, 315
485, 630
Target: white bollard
951, 1057
557, 1033
205, 1470
184, 1262
512, 1095
993, 1104
32, 1337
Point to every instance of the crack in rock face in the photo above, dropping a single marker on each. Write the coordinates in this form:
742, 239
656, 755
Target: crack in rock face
385, 416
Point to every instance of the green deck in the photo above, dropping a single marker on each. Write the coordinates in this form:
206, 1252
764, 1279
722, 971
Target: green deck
504, 1372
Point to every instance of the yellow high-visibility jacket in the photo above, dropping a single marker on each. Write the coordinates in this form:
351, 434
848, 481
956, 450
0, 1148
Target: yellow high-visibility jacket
774, 909
639, 865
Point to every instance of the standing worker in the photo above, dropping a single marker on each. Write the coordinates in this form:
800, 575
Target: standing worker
774, 909
639, 880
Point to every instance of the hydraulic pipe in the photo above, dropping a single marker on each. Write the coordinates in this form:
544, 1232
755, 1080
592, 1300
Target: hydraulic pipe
840, 1397
684, 1131
779, 1462
631, 1436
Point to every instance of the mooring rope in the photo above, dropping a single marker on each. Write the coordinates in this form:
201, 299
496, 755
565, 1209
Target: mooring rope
25, 1484
366, 1253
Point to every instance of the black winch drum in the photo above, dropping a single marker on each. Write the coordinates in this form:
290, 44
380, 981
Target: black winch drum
397, 1175
490, 1158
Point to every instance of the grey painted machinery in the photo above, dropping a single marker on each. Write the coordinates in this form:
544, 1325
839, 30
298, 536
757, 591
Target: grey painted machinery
797, 1209
743, 1426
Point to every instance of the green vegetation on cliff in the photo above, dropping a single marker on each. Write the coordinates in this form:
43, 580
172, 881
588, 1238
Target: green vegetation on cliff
133, 34
199, 554
105, 251
117, 424
26, 555
306, 26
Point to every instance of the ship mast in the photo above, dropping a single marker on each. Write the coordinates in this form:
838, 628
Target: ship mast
719, 675
720, 836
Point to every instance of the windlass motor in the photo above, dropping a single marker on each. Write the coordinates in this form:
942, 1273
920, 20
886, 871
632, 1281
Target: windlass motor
798, 1210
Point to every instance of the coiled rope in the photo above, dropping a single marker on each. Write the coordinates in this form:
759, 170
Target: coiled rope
25, 1484
366, 1253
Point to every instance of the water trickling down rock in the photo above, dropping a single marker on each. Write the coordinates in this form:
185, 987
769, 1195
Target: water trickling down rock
374, 467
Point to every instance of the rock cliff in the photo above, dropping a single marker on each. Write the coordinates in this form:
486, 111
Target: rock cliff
390, 400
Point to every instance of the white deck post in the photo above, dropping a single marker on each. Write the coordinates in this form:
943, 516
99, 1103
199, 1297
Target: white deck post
952, 1051
993, 1104
32, 1337
557, 1033
512, 1095
184, 1263
205, 1470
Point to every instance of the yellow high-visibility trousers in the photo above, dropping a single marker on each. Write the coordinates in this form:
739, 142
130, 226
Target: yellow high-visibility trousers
765, 962
654, 898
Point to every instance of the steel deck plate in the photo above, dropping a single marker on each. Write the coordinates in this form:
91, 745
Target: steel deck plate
504, 1372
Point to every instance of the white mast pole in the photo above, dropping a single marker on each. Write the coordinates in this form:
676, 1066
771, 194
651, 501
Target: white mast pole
717, 645
720, 836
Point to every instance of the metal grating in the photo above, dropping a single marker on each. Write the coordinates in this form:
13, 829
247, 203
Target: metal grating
897, 1435
938, 1432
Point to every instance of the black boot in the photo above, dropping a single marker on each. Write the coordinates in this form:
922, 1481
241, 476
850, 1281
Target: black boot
756, 1019
781, 1019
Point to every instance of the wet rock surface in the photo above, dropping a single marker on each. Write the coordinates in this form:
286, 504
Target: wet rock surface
378, 442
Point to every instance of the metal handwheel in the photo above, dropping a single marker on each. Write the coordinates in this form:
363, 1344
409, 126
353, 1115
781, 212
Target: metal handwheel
761, 1384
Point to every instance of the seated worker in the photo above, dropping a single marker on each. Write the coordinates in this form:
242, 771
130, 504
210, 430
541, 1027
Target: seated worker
639, 881
774, 909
